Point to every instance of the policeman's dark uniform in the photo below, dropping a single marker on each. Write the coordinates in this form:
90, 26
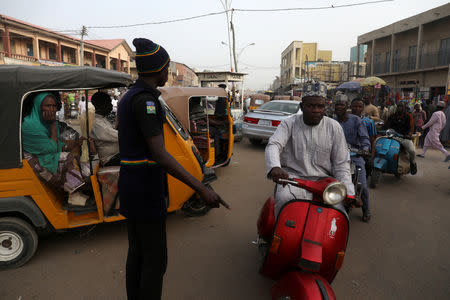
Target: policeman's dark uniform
142, 191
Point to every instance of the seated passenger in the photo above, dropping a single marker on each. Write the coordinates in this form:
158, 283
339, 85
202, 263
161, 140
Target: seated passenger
218, 126
49, 157
105, 137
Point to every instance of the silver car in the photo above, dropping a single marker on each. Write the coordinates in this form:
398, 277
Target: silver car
261, 123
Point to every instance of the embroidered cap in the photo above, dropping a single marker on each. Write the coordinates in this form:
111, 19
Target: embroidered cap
151, 58
314, 89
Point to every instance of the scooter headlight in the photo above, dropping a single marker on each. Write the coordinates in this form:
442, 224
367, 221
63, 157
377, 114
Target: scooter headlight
334, 193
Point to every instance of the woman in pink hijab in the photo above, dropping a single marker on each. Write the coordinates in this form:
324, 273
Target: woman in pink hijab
436, 124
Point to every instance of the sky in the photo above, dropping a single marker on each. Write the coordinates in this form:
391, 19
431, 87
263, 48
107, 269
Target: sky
198, 43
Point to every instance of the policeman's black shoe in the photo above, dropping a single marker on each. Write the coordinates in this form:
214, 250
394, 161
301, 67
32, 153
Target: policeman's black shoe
413, 168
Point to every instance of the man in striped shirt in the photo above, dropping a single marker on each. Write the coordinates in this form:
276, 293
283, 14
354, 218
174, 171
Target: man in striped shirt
357, 107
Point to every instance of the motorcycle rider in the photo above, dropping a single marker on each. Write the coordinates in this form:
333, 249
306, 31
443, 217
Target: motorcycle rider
402, 122
357, 137
309, 146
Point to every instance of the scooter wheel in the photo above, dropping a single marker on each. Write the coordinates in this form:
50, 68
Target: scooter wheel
374, 178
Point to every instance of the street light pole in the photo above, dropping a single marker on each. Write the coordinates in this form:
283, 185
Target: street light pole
239, 53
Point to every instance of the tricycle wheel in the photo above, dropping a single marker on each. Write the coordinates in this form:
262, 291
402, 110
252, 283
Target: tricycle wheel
196, 207
18, 242
374, 178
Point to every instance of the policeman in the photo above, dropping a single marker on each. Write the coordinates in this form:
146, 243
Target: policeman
142, 181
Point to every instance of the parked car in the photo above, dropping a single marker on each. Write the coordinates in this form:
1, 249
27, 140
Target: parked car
261, 123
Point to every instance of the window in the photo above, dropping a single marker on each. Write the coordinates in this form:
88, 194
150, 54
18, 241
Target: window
422, 56
29, 49
216, 106
174, 121
387, 62
288, 107
72, 58
377, 64
412, 57
52, 53
396, 60
444, 52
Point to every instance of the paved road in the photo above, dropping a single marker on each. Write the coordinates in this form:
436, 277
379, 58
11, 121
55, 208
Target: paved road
402, 254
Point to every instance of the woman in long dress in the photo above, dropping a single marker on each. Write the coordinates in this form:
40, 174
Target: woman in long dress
435, 124
49, 157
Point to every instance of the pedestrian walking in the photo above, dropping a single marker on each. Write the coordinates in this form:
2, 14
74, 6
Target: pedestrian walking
143, 182
420, 118
436, 124
445, 133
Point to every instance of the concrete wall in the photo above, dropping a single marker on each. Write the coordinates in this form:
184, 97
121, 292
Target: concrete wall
19, 45
431, 15
435, 78
404, 40
433, 33
324, 55
310, 50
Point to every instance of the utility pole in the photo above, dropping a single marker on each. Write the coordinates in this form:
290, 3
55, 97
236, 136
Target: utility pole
83, 33
226, 8
234, 44
307, 74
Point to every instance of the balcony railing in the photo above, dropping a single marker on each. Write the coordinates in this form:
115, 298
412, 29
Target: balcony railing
426, 61
18, 56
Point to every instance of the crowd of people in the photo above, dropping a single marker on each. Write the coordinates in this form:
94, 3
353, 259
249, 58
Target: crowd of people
310, 145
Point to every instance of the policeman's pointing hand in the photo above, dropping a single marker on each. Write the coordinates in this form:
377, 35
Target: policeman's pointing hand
212, 198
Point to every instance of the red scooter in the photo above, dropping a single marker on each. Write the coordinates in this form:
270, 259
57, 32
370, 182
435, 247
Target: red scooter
304, 248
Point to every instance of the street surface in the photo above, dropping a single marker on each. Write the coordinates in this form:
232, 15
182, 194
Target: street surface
403, 253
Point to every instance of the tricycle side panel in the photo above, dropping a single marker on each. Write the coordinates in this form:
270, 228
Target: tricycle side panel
24, 182
181, 150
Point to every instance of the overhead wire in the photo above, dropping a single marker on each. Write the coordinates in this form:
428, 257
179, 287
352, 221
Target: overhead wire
242, 10
310, 8
162, 22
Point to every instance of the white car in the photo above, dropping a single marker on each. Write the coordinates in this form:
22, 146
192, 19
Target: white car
260, 124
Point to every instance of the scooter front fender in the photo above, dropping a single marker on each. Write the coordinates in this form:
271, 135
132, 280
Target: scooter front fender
298, 285
380, 163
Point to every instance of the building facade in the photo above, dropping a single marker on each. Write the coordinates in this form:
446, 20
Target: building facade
25, 43
294, 59
412, 55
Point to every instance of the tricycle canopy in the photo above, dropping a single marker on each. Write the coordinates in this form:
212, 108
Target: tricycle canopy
17, 81
177, 98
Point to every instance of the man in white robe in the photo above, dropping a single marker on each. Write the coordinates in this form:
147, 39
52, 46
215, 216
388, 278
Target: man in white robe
309, 146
